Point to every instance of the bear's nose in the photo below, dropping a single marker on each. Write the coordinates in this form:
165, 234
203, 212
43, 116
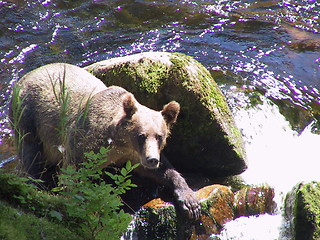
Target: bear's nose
153, 162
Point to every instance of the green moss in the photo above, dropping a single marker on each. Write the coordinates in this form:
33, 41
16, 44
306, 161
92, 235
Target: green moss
200, 81
146, 76
254, 98
155, 224
16, 224
297, 116
205, 208
152, 75
235, 182
307, 212
211, 104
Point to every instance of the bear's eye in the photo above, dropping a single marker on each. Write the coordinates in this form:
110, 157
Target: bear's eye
142, 138
160, 139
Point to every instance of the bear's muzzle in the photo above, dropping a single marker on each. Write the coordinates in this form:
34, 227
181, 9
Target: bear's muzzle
151, 162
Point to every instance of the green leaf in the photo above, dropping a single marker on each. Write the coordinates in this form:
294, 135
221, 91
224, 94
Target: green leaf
124, 171
104, 150
78, 197
55, 214
128, 165
112, 176
121, 179
135, 166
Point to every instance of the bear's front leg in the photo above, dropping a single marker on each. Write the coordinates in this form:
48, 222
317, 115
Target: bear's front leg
184, 196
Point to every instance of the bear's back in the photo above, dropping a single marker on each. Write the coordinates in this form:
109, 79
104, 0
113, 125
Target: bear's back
76, 80
51, 95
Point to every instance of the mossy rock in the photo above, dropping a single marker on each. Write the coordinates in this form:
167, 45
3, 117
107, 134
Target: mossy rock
205, 138
159, 220
303, 211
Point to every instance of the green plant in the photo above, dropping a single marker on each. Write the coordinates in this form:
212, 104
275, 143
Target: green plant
17, 224
62, 97
93, 205
17, 110
64, 100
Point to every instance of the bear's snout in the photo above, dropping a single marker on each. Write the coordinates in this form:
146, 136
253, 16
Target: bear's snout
152, 162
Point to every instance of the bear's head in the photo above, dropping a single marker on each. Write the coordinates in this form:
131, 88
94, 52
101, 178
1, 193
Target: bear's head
149, 129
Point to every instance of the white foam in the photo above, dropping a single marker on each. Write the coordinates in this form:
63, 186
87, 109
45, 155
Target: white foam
277, 155
263, 227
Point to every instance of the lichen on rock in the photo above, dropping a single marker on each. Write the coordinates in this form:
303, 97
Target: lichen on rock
205, 132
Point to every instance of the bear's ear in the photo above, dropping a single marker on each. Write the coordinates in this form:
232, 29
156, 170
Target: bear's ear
170, 112
129, 106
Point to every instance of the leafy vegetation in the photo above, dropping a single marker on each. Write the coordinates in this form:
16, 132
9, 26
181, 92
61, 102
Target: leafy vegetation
17, 224
94, 205
83, 202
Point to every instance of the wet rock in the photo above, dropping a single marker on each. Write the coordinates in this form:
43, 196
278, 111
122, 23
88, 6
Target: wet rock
205, 132
254, 201
306, 45
218, 203
302, 211
301, 40
156, 220
159, 220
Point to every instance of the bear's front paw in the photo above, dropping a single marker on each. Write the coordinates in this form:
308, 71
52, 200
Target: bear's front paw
188, 203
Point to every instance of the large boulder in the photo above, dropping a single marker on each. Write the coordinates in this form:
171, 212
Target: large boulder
205, 139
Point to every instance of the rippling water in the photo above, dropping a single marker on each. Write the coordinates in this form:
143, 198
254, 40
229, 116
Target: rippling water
269, 46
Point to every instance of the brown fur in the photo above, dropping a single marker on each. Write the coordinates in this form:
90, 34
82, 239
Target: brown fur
96, 116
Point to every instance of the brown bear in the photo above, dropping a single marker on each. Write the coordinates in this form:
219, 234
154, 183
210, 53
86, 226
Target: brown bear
66, 112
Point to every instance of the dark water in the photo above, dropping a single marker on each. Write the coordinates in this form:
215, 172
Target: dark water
269, 46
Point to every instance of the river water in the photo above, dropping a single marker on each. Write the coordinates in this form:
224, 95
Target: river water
252, 48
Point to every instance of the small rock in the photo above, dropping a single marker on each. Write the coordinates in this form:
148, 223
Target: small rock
219, 210
254, 201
